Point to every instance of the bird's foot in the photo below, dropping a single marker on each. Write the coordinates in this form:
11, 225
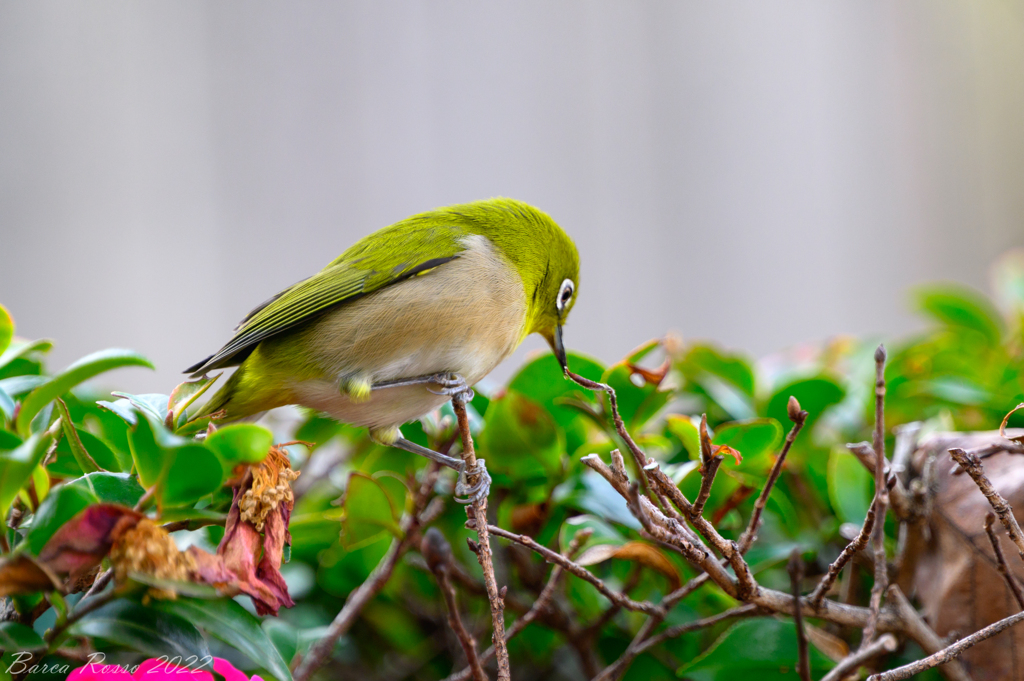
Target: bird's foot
357, 388
452, 384
470, 494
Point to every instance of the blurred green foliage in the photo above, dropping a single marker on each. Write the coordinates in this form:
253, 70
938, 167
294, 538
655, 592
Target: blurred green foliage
965, 371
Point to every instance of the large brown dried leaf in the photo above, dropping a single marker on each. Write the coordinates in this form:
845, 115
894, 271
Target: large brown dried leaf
951, 567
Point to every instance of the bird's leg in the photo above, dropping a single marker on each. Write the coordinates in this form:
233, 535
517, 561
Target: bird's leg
470, 494
449, 383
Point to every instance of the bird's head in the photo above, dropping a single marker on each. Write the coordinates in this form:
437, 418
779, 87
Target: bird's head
555, 293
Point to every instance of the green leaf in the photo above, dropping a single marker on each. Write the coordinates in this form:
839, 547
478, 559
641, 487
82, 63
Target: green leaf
17, 465
60, 506
687, 429
638, 401
8, 441
6, 329
182, 470
6, 405
814, 394
240, 443
764, 649
80, 371
66, 466
151, 404
850, 487
146, 630
82, 458
601, 532
707, 359
112, 488
230, 622
755, 439
19, 349
16, 636
959, 306
368, 511
184, 395
19, 385
521, 441
543, 381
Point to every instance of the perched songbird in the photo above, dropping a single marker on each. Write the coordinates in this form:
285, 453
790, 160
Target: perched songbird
404, 319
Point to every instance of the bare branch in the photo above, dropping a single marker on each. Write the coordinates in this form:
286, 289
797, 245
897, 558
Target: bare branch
556, 558
438, 553
915, 627
1004, 570
796, 573
972, 464
883, 644
881, 501
847, 554
949, 653
798, 417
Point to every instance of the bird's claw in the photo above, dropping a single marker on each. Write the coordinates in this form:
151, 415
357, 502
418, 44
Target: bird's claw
466, 494
451, 384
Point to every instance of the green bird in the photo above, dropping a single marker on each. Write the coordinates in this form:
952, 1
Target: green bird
406, 318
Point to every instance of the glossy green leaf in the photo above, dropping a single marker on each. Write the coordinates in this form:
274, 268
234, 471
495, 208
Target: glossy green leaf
708, 359
82, 457
368, 510
153, 405
814, 394
80, 371
764, 649
17, 636
543, 381
230, 622
521, 441
755, 439
182, 470
6, 405
63, 503
638, 400
687, 429
112, 488
240, 443
9, 440
16, 467
66, 465
850, 487
183, 395
18, 349
6, 329
147, 630
959, 306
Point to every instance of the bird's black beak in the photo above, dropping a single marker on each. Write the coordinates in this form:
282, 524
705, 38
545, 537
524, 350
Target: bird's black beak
558, 348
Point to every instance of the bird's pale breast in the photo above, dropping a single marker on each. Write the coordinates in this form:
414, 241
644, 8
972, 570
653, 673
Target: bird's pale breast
464, 316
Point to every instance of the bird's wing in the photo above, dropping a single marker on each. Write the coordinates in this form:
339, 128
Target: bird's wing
383, 258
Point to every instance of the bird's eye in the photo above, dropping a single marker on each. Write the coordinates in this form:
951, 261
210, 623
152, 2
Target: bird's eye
564, 294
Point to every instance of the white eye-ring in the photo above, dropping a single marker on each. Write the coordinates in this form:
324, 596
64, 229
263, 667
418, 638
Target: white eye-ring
565, 294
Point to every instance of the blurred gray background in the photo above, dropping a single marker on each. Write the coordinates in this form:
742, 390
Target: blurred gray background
756, 173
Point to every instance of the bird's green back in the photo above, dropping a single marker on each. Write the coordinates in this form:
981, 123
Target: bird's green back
534, 245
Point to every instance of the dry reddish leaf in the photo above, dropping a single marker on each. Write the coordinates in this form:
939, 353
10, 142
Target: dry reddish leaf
82, 542
726, 450
652, 376
529, 518
950, 566
22, 573
1002, 426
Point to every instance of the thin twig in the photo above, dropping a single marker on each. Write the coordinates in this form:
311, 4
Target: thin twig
949, 653
438, 553
914, 626
365, 592
881, 502
1004, 570
972, 464
798, 417
477, 513
796, 573
542, 602
578, 570
707, 479
847, 554
748, 610
886, 643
